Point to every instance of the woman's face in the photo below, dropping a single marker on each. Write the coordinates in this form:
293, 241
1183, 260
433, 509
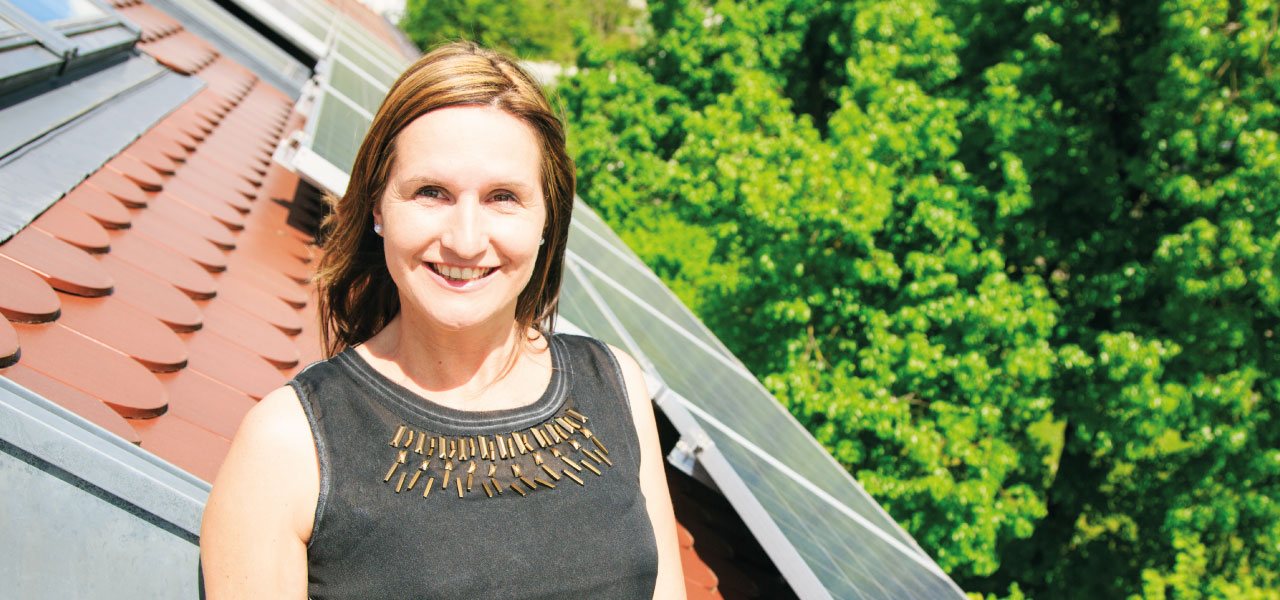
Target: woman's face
462, 215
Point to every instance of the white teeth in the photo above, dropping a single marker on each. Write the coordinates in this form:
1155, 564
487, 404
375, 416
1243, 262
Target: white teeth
461, 273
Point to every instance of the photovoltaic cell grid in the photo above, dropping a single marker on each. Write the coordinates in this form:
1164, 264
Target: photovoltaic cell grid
362, 59
337, 132
350, 83
314, 17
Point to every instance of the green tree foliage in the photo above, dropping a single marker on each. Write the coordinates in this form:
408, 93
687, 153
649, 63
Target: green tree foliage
530, 29
1145, 194
1013, 262
845, 268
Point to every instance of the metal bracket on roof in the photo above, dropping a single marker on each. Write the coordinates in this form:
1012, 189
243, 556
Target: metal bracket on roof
684, 455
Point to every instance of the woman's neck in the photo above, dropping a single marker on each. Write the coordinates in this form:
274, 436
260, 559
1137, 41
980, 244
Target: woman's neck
455, 368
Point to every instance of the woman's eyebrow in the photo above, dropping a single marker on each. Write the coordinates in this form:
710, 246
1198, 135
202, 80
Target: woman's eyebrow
513, 185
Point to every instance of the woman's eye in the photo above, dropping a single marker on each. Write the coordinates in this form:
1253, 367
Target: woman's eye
428, 192
504, 197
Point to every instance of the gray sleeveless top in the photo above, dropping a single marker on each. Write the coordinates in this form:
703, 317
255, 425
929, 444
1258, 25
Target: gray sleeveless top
422, 501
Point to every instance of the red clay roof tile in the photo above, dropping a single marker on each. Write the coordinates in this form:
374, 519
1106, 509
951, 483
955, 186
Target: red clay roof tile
181, 51
189, 125
154, 24
25, 297
197, 222
269, 280
73, 400
120, 188
9, 346
201, 201
136, 171
87, 365
683, 537
196, 398
100, 205
696, 573
126, 329
180, 271
191, 447
273, 236
213, 181
279, 262
152, 295
74, 226
175, 134
250, 332
181, 240
152, 157
64, 266
224, 361
261, 304
166, 146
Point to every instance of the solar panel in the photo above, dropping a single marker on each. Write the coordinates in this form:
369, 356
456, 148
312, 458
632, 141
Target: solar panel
375, 68
592, 237
375, 45
337, 130
354, 85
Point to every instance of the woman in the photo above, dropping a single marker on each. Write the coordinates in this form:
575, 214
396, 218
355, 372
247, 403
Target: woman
450, 447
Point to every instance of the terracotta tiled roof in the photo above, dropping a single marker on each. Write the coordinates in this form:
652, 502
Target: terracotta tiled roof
163, 294
166, 293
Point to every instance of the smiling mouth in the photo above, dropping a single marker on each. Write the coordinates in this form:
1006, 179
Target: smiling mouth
453, 273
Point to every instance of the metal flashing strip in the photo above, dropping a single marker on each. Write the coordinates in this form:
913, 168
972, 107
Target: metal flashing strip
72, 443
45, 167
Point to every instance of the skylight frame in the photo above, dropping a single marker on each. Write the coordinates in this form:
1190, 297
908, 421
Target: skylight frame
37, 51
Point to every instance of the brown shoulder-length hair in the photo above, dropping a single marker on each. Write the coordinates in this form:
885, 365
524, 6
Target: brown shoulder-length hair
357, 297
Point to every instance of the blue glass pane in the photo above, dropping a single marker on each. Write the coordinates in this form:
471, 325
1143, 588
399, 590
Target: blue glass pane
47, 11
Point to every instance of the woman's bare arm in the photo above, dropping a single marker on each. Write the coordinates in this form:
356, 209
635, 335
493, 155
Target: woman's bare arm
260, 513
653, 481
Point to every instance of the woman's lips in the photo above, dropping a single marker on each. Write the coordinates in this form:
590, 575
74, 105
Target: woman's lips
458, 274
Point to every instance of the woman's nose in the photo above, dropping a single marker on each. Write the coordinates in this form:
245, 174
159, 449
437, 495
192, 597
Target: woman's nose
465, 234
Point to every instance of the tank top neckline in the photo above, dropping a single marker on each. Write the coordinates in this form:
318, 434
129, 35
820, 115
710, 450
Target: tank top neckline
422, 412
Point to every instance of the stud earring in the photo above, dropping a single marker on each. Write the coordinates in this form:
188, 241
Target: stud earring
542, 241
377, 228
